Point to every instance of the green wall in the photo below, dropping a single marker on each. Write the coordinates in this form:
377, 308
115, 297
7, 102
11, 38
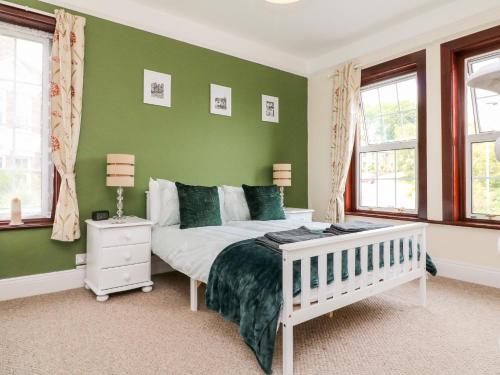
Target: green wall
182, 143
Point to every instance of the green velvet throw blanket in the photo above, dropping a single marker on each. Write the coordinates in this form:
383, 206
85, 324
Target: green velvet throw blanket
245, 287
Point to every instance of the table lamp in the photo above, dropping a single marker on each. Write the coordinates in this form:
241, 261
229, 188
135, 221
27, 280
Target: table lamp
120, 173
282, 176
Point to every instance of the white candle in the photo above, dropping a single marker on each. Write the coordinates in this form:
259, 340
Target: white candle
15, 212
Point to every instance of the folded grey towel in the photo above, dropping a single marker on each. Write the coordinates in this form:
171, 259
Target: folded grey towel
264, 241
295, 235
354, 227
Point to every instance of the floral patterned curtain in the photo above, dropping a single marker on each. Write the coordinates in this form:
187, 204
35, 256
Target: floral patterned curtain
66, 106
346, 115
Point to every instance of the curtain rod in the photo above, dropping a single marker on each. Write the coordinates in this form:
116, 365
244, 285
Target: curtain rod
27, 8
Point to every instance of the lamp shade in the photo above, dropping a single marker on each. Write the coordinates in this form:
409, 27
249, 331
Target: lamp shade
120, 170
282, 174
486, 78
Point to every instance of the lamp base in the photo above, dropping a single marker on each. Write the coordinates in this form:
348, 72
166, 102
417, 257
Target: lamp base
119, 217
282, 195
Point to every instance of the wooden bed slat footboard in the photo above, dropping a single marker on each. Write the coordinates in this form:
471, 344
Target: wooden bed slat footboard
327, 298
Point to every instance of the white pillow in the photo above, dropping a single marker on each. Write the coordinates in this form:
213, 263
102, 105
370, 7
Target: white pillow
169, 203
154, 201
235, 204
221, 204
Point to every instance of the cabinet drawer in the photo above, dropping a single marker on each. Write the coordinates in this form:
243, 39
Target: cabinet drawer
126, 275
123, 255
125, 236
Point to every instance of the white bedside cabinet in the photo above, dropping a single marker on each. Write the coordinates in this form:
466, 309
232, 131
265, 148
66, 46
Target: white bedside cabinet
118, 256
303, 215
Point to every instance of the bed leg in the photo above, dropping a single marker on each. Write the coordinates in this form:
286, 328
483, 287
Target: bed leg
423, 290
194, 294
287, 349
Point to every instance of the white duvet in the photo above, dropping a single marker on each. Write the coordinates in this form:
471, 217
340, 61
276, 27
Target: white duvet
192, 251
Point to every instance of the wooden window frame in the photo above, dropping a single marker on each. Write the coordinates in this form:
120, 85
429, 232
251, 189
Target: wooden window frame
411, 63
453, 118
25, 18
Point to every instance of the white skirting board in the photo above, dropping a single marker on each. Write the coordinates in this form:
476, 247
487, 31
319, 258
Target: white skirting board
26, 286
468, 272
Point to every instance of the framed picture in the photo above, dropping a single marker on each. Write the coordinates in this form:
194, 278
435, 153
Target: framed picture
220, 100
270, 108
157, 88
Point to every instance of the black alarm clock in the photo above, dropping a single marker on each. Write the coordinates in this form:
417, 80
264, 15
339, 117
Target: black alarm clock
100, 215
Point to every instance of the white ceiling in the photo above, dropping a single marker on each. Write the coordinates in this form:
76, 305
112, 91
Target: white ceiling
305, 29
303, 37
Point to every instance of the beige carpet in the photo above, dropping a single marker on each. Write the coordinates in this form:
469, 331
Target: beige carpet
137, 333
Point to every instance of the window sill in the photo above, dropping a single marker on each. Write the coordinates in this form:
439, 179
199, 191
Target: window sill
471, 223
384, 215
483, 224
28, 224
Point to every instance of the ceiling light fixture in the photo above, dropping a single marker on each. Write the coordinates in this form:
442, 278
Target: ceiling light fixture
282, 1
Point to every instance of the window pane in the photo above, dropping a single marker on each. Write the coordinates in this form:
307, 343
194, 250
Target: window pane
368, 165
374, 130
396, 117
489, 113
7, 101
388, 179
25, 169
386, 193
483, 106
388, 99
405, 163
471, 121
386, 167
7, 57
409, 125
368, 193
405, 194
486, 196
476, 65
407, 92
484, 163
28, 105
392, 127
29, 61
371, 112
485, 179
370, 102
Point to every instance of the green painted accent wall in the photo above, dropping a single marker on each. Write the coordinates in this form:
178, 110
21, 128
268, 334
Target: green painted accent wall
182, 143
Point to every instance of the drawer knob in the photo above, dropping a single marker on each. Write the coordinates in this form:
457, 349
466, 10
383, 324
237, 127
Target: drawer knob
127, 237
127, 256
126, 276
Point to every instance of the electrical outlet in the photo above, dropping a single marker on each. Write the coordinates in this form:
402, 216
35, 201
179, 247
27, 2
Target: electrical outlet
81, 259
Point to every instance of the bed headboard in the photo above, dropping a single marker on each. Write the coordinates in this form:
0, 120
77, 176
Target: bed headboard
148, 210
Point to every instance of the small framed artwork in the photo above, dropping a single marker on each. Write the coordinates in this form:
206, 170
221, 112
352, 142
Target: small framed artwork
270, 108
220, 100
157, 88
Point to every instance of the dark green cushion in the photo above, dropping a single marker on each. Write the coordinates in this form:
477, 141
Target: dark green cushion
198, 206
264, 202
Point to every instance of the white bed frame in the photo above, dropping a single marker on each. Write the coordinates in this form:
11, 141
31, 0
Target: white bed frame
325, 299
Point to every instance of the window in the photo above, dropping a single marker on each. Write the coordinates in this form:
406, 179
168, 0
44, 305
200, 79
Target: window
388, 172
483, 128
470, 125
387, 146
25, 168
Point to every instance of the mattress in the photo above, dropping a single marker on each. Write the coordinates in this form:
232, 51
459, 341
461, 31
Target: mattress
192, 251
